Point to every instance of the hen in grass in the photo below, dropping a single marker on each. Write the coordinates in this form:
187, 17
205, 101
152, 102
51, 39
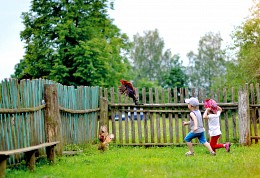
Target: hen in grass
128, 89
104, 138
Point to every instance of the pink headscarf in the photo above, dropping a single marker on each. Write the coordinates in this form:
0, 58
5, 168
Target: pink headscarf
210, 103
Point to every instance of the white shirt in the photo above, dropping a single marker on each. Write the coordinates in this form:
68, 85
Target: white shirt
214, 126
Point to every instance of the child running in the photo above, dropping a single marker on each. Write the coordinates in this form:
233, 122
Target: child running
197, 129
212, 113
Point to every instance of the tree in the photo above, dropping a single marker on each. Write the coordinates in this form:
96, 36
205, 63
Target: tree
245, 66
151, 64
174, 75
209, 64
74, 43
146, 55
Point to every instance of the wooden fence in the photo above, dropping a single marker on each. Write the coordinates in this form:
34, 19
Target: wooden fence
254, 112
159, 120
79, 110
21, 115
27, 106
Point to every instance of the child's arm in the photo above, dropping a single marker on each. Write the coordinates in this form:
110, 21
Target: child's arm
186, 123
205, 114
219, 109
194, 118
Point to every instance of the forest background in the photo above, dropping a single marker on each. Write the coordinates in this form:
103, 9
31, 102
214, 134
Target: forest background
76, 43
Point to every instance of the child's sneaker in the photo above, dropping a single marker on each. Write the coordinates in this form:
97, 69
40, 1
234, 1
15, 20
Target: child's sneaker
212, 153
189, 153
227, 146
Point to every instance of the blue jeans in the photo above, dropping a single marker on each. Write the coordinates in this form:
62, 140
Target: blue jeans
192, 135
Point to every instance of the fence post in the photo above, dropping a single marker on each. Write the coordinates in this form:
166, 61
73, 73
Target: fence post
244, 117
52, 116
104, 112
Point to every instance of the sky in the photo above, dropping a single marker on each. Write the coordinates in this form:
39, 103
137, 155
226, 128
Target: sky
181, 23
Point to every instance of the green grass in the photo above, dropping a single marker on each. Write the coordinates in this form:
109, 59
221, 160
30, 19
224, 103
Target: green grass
149, 162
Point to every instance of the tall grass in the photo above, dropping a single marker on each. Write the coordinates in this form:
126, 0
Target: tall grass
128, 162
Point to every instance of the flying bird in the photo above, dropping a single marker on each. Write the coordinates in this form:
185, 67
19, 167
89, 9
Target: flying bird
128, 89
104, 138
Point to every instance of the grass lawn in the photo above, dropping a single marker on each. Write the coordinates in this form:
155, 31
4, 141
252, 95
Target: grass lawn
149, 162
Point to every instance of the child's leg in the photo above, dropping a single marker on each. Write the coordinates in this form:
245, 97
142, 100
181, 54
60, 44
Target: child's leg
190, 146
207, 145
203, 141
188, 139
214, 143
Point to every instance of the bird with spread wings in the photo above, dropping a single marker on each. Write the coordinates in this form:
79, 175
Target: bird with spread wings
128, 89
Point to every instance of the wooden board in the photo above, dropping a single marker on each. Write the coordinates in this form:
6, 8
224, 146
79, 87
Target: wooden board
22, 150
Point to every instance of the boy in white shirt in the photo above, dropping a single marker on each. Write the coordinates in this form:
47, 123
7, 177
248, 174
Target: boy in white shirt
212, 113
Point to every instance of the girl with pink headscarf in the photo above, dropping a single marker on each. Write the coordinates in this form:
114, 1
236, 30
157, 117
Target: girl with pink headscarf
212, 113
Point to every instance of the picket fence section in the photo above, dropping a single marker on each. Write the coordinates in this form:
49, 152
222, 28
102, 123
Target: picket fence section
22, 116
159, 120
79, 113
254, 102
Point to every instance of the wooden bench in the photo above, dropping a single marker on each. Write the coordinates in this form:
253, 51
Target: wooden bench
29, 155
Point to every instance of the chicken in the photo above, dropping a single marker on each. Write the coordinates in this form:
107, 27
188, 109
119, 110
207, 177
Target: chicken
128, 89
104, 138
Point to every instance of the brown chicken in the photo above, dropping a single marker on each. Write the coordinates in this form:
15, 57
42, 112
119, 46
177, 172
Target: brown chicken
128, 89
104, 138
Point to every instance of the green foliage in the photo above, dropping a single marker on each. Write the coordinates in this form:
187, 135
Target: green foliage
245, 67
72, 147
209, 64
146, 55
144, 83
151, 64
152, 162
175, 75
73, 43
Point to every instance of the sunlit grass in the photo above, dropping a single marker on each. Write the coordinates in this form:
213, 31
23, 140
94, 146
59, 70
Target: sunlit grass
150, 162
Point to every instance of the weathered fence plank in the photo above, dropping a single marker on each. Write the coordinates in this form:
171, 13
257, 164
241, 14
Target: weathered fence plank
146, 117
170, 116
226, 115
253, 114
52, 116
120, 127
244, 117
258, 109
163, 118
126, 128
158, 123
176, 117
133, 128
